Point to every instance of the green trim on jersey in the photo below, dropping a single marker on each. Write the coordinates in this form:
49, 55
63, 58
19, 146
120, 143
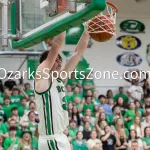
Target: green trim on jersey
46, 90
52, 128
53, 144
44, 113
59, 80
48, 113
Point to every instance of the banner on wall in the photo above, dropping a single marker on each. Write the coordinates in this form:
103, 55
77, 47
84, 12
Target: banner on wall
132, 26
128, 42
82, 65
32, 64
148, 54
129, 59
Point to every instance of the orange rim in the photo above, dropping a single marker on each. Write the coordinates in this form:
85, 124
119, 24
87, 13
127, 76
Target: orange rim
112, 5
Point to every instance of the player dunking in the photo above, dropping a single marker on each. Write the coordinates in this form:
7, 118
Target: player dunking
50, 95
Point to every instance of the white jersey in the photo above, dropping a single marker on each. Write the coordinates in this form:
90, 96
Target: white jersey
52, 109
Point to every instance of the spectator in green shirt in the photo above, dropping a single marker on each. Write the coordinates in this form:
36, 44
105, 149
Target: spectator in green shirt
121, 94
73, 81
72, 129
69, 90
88, 105
68, 93
79, 143
146, 138
92, 119
12, 123
17, 95
11, 142
28, 90
87, 84
23, 107
14, 111
130, 115
7, 107
76, 94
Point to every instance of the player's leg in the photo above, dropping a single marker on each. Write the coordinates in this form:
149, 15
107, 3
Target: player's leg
62, 143
44, 144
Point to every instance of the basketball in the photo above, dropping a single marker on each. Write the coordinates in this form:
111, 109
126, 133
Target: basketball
101, 23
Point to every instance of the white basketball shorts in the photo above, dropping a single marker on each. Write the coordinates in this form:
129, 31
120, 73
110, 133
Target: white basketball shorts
53, 142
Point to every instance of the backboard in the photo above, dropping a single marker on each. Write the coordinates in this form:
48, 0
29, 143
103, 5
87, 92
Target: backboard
34, 21
31, 14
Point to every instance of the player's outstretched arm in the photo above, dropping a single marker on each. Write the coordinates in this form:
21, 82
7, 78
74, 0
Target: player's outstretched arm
80, 48
43, 71
53, 52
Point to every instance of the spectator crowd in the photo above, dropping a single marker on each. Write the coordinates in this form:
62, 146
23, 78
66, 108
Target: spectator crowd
96, 122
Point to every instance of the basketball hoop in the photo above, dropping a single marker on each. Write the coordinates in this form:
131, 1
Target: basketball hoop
103, 23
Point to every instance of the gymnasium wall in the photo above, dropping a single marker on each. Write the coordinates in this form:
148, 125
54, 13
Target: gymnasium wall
102, 56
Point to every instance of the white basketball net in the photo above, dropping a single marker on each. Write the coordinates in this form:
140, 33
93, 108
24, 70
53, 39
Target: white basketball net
102, 21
